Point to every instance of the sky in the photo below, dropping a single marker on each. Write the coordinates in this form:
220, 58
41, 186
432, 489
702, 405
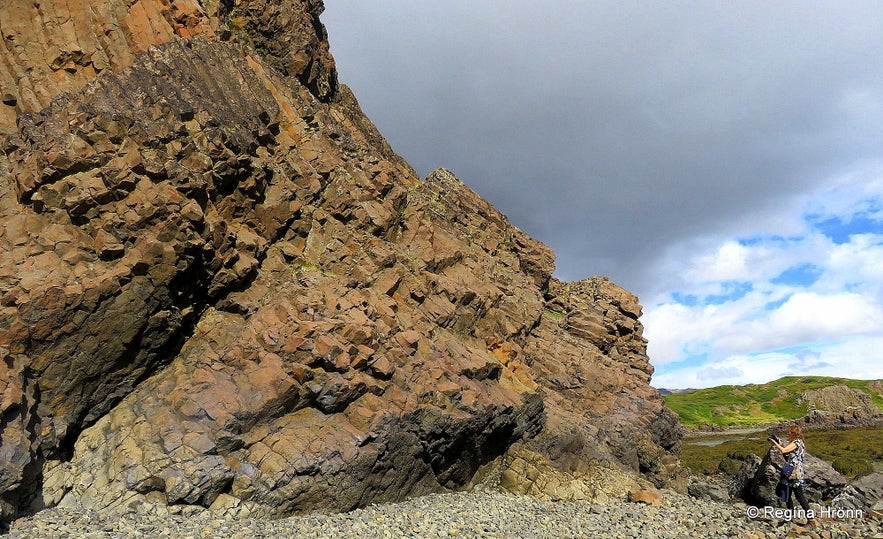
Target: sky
721, 160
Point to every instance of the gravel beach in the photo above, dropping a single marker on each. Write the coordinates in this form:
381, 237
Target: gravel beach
485, 514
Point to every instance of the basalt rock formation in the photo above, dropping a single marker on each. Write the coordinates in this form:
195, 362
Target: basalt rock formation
865, 494
756, 480
220, 287
838, 405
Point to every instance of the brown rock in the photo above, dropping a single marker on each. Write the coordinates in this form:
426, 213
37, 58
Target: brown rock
220, 287
648, 497
83, 39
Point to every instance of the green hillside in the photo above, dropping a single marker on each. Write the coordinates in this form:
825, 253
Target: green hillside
742, 406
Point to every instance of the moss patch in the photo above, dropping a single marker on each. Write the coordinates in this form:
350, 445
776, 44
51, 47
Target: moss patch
852, 452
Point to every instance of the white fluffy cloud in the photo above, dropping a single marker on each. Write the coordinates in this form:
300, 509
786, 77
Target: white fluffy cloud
804, 318
860, 260
852, 358
760, 306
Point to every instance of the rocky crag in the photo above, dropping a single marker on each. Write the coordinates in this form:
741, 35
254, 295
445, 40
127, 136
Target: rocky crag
841, 405
219, 287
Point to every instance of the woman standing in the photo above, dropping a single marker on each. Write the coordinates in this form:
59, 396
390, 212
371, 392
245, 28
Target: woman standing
795, 455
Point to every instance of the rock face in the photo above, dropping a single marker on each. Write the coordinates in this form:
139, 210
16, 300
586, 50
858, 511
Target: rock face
838, 404
588, 356
52, 46
219, 287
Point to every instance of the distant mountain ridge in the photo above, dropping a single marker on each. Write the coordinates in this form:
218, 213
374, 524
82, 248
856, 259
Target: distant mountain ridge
663, 391
813, 399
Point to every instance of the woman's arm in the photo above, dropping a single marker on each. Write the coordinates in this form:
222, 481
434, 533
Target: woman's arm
785, 448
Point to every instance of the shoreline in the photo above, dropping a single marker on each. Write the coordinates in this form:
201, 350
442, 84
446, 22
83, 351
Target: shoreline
806, 423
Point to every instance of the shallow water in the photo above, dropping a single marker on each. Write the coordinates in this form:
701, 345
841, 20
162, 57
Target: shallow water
711, 439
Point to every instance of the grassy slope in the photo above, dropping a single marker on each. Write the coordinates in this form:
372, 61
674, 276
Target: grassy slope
742, 406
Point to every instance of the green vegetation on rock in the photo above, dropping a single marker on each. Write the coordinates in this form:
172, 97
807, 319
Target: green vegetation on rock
753, 404
701, 457
853, 452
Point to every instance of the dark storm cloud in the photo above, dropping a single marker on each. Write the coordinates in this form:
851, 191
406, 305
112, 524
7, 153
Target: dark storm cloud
613, 130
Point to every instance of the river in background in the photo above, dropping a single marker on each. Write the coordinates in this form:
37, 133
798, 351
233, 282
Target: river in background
711, 439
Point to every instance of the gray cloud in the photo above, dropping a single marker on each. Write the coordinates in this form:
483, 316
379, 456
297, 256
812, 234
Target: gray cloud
614, 130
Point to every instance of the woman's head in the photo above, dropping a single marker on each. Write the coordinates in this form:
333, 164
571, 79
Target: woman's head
794, 433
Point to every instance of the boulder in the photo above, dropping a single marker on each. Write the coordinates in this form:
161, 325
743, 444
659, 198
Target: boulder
705, 490
823, 482
756, 480
864, 493
647, 497
740, 484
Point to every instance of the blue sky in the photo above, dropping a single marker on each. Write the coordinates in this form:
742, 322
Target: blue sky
800, 293
721, 160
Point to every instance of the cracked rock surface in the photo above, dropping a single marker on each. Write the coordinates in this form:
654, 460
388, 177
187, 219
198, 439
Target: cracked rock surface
220, 288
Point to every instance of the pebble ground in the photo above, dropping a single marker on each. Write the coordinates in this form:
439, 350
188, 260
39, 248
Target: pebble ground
479, 514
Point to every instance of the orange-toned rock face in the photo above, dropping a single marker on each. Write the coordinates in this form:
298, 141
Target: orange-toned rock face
55, 46
220, 287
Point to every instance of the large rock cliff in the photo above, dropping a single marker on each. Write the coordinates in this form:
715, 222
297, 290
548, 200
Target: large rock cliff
220, 287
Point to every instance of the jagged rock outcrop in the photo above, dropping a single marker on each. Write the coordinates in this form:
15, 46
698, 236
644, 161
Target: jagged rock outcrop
588, 355
865, 493
757, 479
838, 404
221, 288
53, 46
